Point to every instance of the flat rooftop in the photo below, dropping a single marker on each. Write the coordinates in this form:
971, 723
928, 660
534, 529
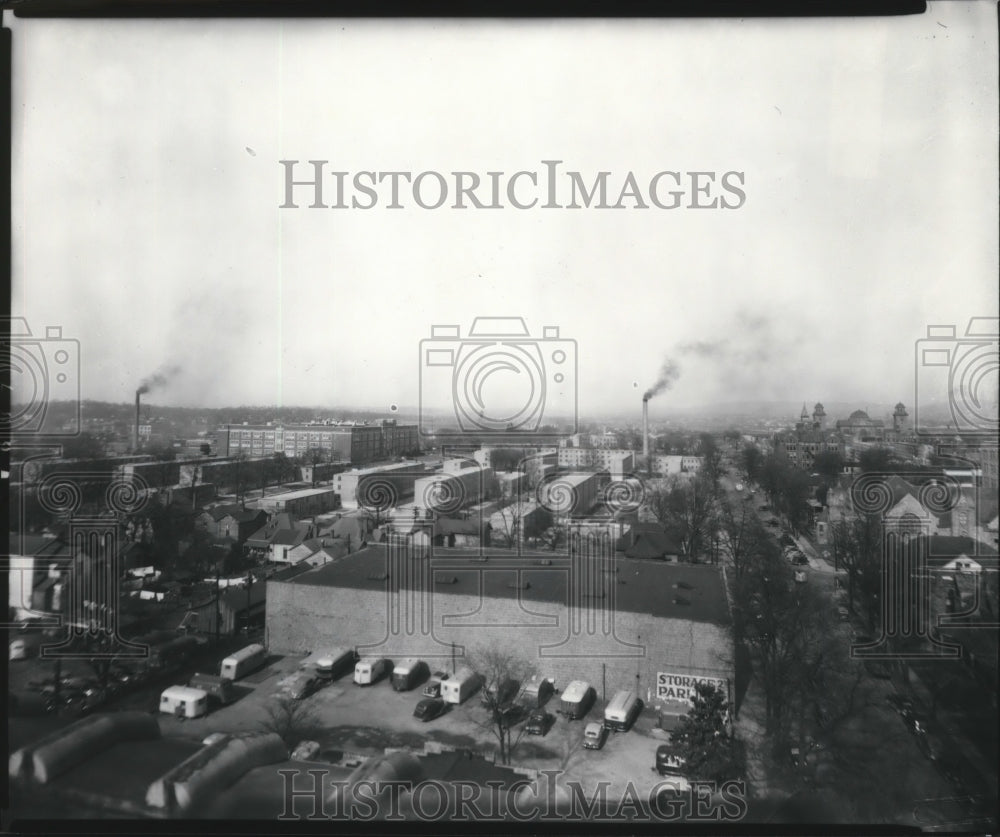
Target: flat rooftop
295, 495
692, 592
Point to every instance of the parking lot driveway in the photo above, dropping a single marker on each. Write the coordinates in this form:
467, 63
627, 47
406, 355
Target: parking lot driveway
366, 720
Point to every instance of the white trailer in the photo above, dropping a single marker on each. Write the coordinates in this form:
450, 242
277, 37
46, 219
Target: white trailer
370, 670
243, 662
184, 702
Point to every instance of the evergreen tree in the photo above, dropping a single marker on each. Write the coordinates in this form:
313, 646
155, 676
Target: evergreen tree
709, 749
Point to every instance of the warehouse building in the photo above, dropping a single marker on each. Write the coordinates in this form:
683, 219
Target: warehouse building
583, 614
462, 482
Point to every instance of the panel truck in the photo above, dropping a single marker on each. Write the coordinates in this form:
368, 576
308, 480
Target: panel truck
243, 662
621, 712
461, 685
335, 663
577, 699
407, 673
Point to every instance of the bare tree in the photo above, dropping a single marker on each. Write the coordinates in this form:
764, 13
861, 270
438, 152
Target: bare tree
313, 457
686, 509
293, 720
857, 546
786, 626
742, 537
499, 667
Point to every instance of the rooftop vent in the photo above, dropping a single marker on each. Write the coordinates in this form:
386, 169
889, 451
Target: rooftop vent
450, 579
682, 585
519, 585
545, 562
378, 576
680, 600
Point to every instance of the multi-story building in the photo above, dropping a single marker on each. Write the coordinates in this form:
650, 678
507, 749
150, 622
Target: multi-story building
591, 440
353, 442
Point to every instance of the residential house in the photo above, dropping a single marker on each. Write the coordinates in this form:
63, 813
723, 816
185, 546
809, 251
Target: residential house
231, 521
649, 540
279, 535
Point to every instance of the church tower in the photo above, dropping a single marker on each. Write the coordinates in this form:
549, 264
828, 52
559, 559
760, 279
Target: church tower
819, 417
900, 419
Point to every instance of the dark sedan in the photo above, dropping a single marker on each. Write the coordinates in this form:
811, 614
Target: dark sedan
429, 708
539, 723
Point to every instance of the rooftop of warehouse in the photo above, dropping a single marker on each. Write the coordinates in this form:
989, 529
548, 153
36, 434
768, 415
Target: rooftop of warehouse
692, 592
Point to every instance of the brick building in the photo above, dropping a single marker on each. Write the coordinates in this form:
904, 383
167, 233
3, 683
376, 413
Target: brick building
615, 622
353, 442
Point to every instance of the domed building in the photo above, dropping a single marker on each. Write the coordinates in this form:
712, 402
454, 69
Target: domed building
862, 427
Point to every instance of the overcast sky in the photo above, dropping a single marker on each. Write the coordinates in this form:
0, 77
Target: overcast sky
147, 189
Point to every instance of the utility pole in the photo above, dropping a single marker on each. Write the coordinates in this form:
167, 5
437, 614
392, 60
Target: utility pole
218, 615
453, 658
637, 639
604, 682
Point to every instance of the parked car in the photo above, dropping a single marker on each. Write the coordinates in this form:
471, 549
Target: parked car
539, 722
297, 686
669, 761
594, 736
305, 751
429, 708
433, 687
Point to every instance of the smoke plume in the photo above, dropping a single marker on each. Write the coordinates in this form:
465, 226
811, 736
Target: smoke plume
158, 379
705, 348
669, 373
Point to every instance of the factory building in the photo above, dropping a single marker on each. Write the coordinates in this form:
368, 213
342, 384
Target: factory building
353, 442
579, 615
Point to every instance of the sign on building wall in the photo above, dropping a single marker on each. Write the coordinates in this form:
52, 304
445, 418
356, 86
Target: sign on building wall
682, 686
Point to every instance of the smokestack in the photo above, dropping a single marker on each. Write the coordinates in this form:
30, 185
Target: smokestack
645, 432
135, 440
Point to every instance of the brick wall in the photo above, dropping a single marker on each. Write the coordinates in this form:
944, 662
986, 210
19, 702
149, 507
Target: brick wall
303, 618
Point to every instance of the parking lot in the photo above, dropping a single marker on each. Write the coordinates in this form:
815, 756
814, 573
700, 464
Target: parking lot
367, 719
